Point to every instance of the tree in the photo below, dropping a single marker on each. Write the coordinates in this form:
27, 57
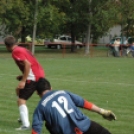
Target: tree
104, 16
76, 17
126, 10
64, 16
18, 17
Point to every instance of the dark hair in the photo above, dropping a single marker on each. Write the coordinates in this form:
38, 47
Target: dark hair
118, 38
42, 85
10, 41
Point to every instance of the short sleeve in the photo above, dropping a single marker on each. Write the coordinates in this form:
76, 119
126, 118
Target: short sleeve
79, 101
18, 55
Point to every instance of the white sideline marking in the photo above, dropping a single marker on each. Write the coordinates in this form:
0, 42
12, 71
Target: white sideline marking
129, 84
104, 82
7, 75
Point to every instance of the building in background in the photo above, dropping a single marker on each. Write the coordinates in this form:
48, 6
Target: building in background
114, 31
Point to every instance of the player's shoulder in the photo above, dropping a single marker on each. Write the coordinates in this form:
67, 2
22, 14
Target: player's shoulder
64, 91
19, 49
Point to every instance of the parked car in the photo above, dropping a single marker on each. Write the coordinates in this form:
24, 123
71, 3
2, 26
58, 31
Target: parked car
62, 41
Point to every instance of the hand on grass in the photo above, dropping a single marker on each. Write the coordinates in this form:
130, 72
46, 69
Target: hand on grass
107, 114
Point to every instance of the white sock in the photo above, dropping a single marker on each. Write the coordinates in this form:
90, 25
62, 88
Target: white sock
24, 115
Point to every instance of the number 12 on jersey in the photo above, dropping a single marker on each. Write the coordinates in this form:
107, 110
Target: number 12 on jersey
62, 100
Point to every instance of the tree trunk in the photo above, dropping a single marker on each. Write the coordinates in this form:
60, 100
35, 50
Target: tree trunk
72, 38
23, 39
34, 27
88, 41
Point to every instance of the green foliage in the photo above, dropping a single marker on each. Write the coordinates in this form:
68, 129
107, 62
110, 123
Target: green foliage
19, 18
16, 17
76, 15
65, 16
104, 16
127, 17
49, 20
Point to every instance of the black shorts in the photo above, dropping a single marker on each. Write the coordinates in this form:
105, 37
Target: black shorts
28, 90
96, 128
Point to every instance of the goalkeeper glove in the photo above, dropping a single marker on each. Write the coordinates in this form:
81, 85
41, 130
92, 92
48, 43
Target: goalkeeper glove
107, 114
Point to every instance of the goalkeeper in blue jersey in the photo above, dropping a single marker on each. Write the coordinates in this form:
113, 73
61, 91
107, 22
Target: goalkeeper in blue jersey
59, 109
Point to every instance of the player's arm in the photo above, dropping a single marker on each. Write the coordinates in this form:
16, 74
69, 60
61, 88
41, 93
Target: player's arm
80, 102
107, 114
37, 122
27, 66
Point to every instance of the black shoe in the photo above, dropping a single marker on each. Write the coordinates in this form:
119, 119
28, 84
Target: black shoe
19, 120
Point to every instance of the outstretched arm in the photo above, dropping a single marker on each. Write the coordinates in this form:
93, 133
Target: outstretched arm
107, 114
37, 122
80, 102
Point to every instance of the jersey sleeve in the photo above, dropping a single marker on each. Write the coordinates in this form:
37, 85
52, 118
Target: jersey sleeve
17, 55
37, 122
79, 101
88, 105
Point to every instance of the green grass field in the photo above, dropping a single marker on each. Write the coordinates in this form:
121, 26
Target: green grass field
108, 82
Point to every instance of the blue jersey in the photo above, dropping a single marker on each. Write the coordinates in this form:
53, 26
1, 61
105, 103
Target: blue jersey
59, 110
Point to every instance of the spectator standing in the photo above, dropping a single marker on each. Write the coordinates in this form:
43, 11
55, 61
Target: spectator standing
125, 47
31, 72
116, 47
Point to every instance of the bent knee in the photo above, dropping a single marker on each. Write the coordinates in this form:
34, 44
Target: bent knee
21, 101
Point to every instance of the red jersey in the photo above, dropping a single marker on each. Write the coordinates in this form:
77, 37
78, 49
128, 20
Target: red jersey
20, 54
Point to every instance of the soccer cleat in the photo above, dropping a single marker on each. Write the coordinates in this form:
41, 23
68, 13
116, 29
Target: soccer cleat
19, 120
22, 128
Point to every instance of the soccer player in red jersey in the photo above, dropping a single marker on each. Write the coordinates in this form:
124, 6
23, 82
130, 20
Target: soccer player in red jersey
60, 110
31, 72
